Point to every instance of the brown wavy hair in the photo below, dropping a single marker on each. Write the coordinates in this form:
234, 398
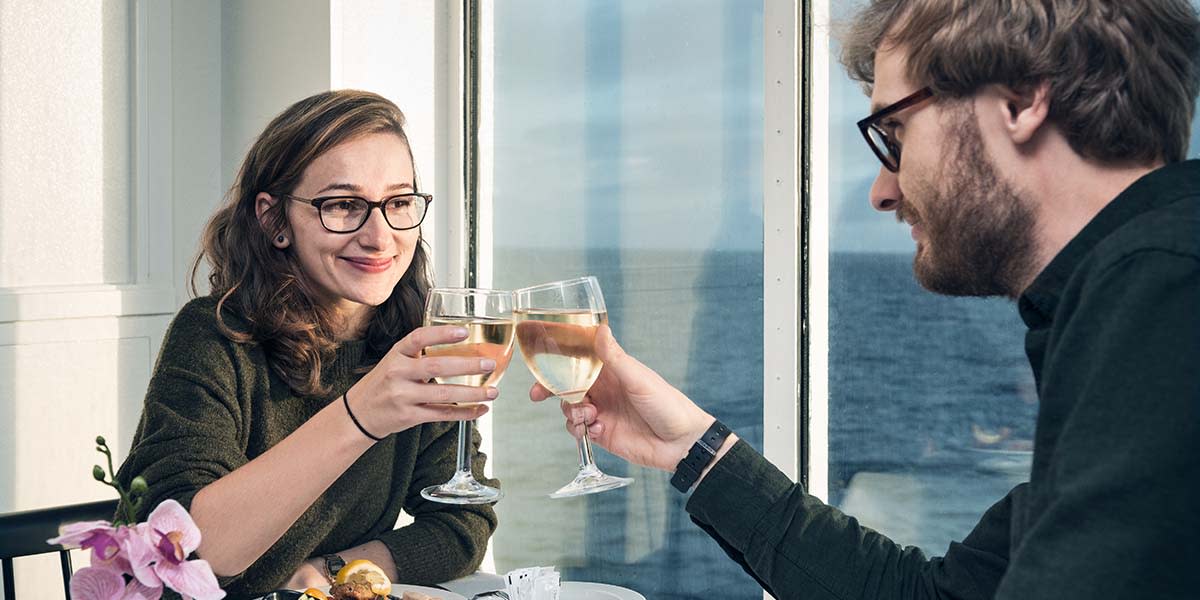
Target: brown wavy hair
1123, 75
264, 286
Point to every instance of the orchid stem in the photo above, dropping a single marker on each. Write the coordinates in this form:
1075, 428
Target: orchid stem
128, 514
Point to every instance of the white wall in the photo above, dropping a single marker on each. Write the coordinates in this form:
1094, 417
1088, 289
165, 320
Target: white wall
122, 124
83, 298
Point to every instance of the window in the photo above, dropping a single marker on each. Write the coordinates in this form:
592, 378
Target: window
627, 144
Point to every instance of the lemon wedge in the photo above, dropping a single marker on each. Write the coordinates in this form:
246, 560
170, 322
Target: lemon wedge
313, 594
365, 572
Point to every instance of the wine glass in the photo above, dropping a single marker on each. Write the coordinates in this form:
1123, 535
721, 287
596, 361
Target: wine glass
556, 329
487, 315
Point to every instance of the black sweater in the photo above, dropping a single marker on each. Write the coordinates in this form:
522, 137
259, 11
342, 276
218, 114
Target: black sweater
1112, 508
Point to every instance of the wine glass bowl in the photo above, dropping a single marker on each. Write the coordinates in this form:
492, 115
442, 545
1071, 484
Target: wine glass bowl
558, 349
487, 337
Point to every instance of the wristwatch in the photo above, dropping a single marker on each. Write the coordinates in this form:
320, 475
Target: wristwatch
333, 564
702, 453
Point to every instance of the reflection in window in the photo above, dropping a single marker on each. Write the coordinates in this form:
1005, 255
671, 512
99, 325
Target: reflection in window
628, 144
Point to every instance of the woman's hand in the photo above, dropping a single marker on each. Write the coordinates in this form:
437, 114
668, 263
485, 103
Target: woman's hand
398, 393
632, 412
310, 574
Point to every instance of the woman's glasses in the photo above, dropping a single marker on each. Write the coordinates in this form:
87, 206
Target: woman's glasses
347, 214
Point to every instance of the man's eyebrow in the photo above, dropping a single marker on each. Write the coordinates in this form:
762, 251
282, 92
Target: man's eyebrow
356, 189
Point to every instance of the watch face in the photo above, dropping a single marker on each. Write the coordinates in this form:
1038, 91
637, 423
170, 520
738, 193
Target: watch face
333, 564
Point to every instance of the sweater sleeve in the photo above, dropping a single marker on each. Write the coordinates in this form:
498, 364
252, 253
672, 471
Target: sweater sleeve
191, 432
798, 547
445, 541
1117, 511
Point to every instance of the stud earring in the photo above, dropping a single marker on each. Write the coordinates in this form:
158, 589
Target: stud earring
281, 239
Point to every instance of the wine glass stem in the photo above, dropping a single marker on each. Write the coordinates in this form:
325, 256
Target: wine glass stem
586, 460
464, 447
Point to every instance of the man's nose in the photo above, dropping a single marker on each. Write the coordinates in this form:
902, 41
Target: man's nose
885, 192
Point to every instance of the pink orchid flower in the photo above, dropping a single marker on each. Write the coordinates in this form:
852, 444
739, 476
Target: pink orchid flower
104, 540
96, 583
158, 551
154, 552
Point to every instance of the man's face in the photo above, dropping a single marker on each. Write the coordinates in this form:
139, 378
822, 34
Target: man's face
973, 230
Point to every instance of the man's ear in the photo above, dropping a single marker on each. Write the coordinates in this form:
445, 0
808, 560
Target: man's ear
263, 202
1025, 111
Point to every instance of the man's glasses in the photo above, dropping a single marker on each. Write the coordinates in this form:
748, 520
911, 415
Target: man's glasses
880, 137
347, 214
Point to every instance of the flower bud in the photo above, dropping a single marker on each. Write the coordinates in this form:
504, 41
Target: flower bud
98, 473
100, 440
138, 486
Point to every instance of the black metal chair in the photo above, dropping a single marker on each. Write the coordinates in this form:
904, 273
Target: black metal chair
25, 534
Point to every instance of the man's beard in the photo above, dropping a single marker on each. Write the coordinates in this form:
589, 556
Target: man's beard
979, 230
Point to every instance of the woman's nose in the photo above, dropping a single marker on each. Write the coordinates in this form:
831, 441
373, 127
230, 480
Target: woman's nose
375, 232
885, 192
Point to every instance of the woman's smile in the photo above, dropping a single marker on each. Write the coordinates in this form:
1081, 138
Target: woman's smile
369, 265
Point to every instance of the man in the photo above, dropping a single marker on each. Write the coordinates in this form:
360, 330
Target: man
1036, 148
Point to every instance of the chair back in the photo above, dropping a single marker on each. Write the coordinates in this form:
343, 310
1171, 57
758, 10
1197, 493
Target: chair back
25, 534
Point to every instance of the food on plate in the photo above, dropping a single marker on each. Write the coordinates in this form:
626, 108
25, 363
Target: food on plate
313, 594
360, 580
353, 591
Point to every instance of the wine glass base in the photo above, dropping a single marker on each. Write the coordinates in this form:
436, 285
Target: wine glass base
462, 492
591, 481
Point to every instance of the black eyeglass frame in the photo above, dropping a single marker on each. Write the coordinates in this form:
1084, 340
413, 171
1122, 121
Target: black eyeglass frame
371, 205
872, 122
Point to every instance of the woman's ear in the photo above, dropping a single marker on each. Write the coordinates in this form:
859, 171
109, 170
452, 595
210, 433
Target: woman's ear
263, 203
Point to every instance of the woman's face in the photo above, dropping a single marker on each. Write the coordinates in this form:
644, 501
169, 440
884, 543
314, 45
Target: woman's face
352, 271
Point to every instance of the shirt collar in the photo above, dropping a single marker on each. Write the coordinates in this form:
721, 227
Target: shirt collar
1155, 189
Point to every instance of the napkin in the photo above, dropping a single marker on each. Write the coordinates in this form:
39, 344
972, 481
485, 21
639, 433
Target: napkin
533, 583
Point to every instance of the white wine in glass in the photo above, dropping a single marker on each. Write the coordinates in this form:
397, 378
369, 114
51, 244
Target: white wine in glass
556, 330
486, 338
487, 317
557, 346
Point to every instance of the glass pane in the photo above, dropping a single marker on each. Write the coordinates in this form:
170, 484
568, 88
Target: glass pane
931, 400
628, 146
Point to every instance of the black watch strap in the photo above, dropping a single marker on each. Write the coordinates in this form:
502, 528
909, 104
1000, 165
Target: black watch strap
703, 451
333, 564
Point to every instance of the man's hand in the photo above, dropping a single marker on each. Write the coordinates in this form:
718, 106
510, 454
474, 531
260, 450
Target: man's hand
632, 412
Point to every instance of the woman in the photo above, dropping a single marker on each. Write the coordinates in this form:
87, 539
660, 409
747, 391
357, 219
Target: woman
289, 410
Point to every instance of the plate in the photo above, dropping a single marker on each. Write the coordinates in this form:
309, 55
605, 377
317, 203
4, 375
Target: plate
398, 590
581, 590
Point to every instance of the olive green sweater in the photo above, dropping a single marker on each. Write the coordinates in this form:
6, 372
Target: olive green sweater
213, 405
